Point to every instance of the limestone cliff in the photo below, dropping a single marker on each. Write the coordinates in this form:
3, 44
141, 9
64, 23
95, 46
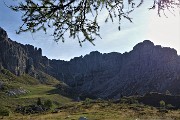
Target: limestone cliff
146, 68
12, 56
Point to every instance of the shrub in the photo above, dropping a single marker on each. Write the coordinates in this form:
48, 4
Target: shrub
169, 106
163, 111
129, 100
48, 104
6, 72
39, 101
162, 103
4, 111
87, 101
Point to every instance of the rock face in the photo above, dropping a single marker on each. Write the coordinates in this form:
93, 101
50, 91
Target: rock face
147, 68
18, 58
12, 56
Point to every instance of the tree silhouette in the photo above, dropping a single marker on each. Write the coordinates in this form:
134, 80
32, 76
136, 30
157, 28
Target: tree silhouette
77, 18
39, 101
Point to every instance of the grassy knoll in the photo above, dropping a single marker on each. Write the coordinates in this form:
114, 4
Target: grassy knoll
34, 89
34, 92
43, 91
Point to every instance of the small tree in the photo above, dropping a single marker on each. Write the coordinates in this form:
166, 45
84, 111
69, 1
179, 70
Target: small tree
87, 101
162, 104
39, 101
48, 104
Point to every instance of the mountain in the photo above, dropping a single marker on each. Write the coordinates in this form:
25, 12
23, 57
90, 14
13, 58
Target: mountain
147, 68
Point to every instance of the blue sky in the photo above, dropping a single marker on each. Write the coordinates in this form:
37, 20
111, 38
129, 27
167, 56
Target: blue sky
146, 25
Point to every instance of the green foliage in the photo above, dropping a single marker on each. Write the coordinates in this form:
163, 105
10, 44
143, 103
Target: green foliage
33, 86
4, 111
39, 101
48, 104
7, 76
169, 106
6, 87
87, 101
11, 81
6, 72
113, 111
77, 17
129, 100
162, 104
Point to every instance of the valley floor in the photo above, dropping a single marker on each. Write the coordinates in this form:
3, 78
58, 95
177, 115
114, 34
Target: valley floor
65, 108
103, 110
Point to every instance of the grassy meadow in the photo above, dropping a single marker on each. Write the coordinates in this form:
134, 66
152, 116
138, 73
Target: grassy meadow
65, 108
102, 110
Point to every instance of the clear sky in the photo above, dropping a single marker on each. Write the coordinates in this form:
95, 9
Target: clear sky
146, 25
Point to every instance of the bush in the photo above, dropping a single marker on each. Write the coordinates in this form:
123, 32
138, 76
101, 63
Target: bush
39, 101
169, 106
4, 111
6, 72
162, 104
87, 101
129, 100
163, 111
48, 104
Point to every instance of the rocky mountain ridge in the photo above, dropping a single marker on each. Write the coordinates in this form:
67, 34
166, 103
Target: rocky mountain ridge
146, 68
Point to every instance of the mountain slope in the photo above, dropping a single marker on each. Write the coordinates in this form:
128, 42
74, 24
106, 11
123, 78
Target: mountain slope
145, 69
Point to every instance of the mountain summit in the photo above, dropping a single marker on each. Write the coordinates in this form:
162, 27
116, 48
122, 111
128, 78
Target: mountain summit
147, 68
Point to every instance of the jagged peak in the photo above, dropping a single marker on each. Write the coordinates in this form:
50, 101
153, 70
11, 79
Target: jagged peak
1, 28
3, 34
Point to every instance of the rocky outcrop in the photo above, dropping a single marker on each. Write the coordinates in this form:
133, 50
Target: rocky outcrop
18, 58
16, 92
12, 56
144, 69
147, 68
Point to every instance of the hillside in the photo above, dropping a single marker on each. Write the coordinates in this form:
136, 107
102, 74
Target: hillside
147, 68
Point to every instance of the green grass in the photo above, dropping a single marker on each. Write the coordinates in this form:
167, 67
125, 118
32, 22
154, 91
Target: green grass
35, 89
102, 111
35, 92
44, 92
25, 79
69, 110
